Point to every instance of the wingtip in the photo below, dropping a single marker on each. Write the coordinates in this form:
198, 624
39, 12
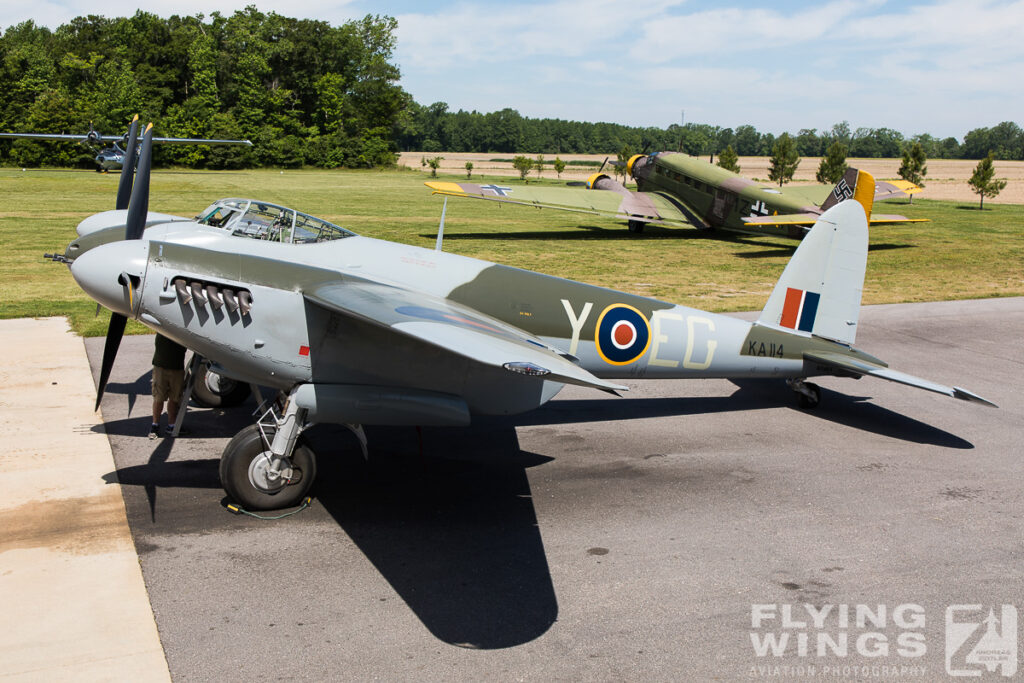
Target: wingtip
965, 395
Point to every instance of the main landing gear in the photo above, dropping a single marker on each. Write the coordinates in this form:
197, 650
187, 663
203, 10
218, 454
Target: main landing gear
213, 390
808, 393
268, 465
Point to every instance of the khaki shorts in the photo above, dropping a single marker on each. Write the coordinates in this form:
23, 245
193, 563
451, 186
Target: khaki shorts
168, 385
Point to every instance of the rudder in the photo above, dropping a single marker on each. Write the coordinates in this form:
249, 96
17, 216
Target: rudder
820, 289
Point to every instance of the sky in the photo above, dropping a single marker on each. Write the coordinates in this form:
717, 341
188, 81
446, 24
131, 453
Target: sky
939, 67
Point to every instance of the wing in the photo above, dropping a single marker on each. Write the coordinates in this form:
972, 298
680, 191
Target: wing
649, 207
55, 136
454, 328
808, 219
201, 141
861, 367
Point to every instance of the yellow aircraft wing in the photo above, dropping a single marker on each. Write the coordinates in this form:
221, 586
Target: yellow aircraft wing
648, 207
808, 219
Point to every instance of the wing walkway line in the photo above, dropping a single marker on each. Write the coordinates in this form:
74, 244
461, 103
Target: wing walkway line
74, 603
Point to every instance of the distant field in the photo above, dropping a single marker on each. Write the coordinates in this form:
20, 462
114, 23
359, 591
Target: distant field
962, 253
946, 179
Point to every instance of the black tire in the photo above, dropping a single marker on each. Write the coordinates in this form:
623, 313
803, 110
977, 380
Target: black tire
810, 402
235, 464
636, 227
210, 390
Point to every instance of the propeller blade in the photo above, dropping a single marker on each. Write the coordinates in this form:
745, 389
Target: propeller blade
576, 183
138, 207
602, 164
114, 333
124, 187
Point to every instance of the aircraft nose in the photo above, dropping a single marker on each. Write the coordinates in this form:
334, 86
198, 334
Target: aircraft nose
112, 274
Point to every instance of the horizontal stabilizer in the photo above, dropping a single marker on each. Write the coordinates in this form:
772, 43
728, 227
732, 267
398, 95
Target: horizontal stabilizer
893, 218
847, 365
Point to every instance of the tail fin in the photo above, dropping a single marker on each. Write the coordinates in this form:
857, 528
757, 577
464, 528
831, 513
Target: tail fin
820, 289
858, 185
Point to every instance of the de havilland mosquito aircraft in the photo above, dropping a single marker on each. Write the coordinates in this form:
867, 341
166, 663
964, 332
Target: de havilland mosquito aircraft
112, 157
359, 331
675, 189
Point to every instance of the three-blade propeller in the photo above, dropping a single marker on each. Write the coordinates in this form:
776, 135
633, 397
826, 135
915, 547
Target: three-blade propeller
124, 186
138, 208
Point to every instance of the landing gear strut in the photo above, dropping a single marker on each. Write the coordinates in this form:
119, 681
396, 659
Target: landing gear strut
268, 465
808, 393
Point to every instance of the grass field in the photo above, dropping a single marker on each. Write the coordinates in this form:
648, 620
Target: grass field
962, 253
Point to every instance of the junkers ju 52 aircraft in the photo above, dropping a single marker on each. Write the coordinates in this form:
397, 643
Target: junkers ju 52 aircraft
358, 331
675, 189
112, 157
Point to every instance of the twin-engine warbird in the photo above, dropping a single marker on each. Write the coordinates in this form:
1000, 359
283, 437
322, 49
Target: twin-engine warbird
112, 157
359, 331
676, 189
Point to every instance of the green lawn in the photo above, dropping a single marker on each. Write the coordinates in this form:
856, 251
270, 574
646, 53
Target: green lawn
962, 253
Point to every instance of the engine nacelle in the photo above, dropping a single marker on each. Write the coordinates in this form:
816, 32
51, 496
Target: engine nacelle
601, 181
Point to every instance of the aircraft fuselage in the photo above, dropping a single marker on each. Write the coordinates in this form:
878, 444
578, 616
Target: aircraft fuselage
720, 197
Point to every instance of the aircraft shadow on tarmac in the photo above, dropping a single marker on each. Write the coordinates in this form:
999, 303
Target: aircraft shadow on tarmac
454, 530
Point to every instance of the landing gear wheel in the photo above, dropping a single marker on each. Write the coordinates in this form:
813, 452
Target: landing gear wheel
636, 227
244, 475
211, 390
810, 402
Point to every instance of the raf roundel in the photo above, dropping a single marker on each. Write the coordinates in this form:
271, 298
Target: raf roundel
622, 335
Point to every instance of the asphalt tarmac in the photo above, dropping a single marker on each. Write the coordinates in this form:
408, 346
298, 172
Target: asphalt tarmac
665, 535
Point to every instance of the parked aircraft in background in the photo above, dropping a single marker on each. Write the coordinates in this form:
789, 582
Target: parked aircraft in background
112, 157
358, 331
676, 189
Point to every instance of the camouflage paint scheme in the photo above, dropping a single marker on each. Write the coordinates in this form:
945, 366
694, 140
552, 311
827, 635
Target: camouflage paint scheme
679, 190
358, 331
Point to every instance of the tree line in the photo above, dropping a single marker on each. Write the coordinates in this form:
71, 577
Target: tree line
308, 93
303, 91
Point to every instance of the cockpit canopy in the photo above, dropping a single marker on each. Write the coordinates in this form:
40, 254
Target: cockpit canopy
265, 221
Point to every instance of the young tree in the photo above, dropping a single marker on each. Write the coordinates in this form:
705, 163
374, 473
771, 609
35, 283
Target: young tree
523, 164
623, 158
833, 165
784, 160
913, 168
469, 170
434, 163
538, 165
559, 166
983, 182
729, 160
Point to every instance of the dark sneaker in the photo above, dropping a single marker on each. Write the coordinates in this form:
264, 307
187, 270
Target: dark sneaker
169, 431
154, 431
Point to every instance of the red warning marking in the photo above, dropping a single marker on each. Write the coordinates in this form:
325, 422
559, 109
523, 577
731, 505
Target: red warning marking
303, 350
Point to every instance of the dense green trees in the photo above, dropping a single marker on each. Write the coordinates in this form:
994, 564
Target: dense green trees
303, 91
306, 92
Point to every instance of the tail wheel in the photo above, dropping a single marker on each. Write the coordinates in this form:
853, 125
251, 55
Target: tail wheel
212, 390
636, 227
244, 469
812, 397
